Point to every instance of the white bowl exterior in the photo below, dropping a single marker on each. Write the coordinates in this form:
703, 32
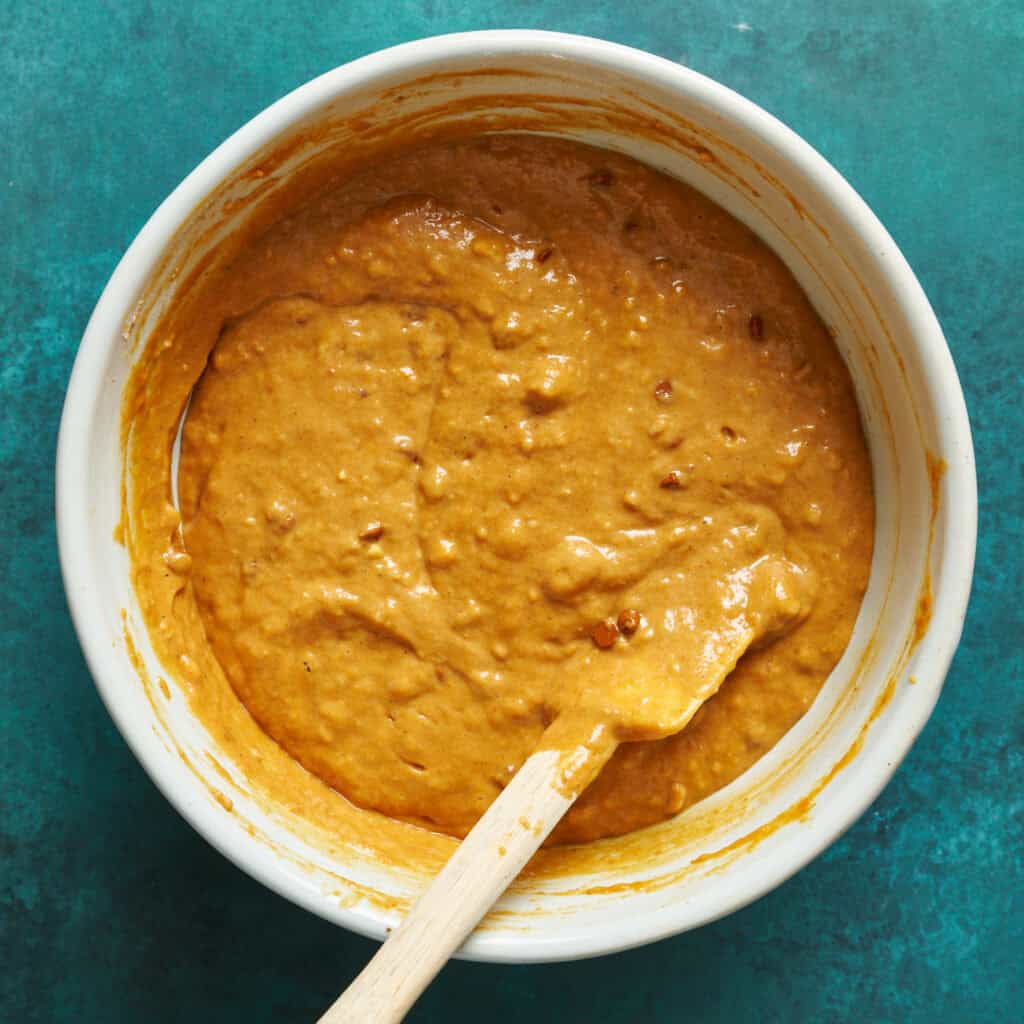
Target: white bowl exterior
912, 407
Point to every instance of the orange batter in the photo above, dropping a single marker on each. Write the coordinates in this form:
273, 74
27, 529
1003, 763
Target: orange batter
503, 431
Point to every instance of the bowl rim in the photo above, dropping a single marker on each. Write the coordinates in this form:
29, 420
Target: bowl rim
956, 530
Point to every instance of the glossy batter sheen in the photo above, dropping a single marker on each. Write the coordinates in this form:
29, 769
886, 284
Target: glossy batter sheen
513, 429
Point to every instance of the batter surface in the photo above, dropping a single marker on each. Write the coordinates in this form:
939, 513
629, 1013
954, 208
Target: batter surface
510, 429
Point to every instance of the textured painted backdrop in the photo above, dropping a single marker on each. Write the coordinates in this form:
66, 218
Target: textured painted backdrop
114, 910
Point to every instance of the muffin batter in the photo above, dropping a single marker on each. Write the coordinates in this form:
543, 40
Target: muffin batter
509, 430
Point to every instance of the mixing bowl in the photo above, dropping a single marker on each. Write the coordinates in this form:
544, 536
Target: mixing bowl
749, 837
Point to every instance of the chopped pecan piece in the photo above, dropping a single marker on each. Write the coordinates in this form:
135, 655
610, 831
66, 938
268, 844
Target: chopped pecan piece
628, 621
604, 634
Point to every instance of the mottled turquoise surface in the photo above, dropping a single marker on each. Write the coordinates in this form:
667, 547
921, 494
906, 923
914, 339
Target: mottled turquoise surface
114, 910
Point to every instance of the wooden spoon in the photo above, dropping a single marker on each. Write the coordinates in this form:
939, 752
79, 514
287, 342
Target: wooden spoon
480, 870
494, 852
656, 693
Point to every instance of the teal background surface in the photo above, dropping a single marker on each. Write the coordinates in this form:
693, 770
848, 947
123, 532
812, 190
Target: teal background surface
114, 910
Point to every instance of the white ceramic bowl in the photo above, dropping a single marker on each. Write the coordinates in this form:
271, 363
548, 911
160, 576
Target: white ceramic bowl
751, 836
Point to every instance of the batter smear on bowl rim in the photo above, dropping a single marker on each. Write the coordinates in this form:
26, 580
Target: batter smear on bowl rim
502, 430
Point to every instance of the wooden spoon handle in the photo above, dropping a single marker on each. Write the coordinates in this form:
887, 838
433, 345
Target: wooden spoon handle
479, 871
